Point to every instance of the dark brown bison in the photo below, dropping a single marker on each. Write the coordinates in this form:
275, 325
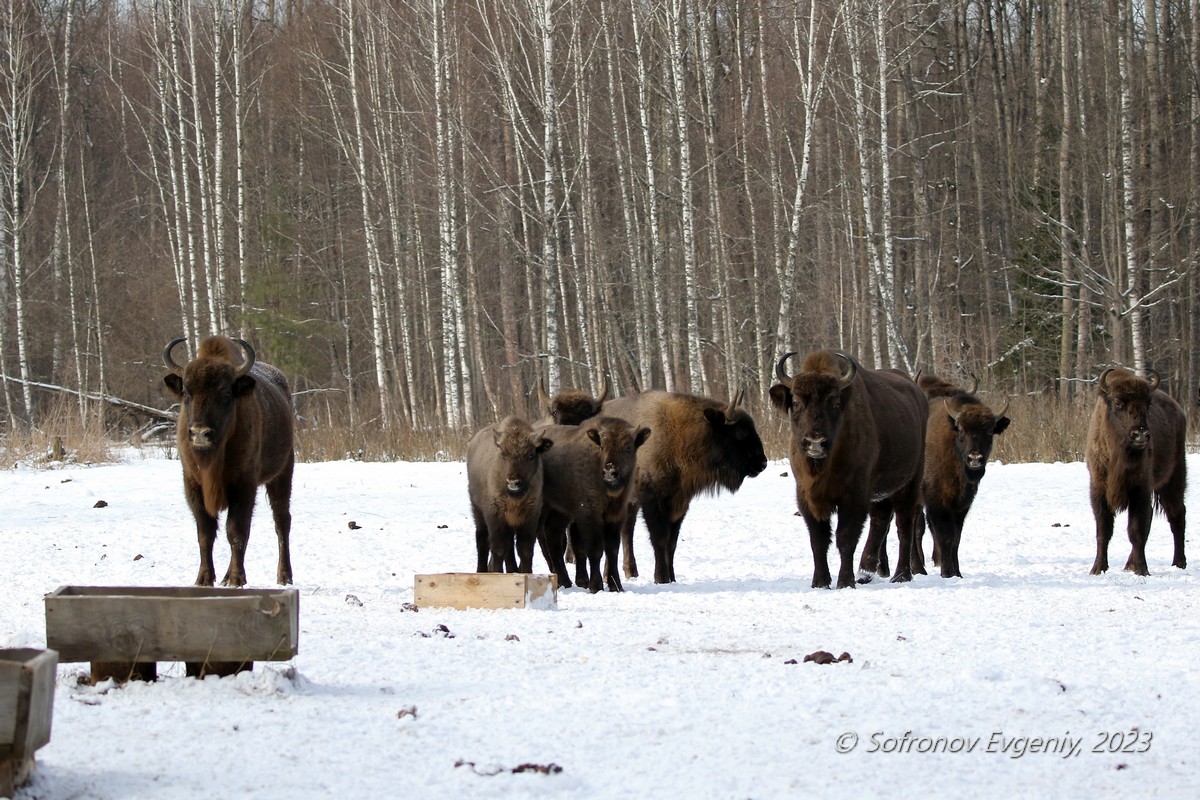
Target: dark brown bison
235, 432
571, 406
857, 448
1135, 453
699, 445
504, 483
958, 441
588, 482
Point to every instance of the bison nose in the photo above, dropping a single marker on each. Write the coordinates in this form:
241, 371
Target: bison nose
815, 446
200, 436
975, 460
1140, 437
515, 486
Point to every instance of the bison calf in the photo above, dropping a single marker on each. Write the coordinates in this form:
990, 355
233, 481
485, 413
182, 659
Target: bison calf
1135, 452
588, 482
235, 432
857, 448
504, 483
571, 406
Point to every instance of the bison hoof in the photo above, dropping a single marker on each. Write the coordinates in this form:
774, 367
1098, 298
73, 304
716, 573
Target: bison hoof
902, 577
865, 577
1180, 562
1098, 570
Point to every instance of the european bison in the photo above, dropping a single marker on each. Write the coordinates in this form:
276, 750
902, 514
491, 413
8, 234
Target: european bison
235, 432
857, 448
504, 483
571, 406
1135, 451
699, 445
587, 484
958, 441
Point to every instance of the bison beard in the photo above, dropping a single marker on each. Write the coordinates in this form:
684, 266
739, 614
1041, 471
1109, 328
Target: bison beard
699, 445
235, 433
857, 448
1136, 453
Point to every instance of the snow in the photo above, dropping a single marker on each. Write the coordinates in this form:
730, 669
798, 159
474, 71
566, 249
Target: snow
1000, 683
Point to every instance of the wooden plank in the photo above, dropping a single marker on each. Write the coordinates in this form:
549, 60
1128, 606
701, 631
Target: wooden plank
136, 624
27, 678
463, 590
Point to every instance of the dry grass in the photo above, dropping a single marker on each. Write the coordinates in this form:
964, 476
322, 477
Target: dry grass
60, 438
1044, 429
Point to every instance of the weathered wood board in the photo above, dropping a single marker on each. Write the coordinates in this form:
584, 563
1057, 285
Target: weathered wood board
27, 679
464, 590
138, 624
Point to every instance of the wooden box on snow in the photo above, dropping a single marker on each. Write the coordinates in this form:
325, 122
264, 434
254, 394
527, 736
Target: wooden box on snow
26, 707
486, 590
196, 624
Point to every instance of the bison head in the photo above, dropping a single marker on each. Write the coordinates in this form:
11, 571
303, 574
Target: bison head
974, 427
735, 449
1127, 398
571, 407
814, 400
208, 388
618, 442
520, 449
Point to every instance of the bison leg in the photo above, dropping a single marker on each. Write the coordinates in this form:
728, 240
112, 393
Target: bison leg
1170, 500
918, 549
279, 493
874, 560
849, 531
612, 545
630, 561
945, 532
1104, 529
237, 531
552, 536
481, 540
1140, 513
819, 534
206, 534
526, 539
662, 531
906, 518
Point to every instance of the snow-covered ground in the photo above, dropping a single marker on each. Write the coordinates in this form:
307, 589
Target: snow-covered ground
1021, 678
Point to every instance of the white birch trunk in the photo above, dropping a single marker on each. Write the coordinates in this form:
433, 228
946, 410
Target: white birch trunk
1133, 268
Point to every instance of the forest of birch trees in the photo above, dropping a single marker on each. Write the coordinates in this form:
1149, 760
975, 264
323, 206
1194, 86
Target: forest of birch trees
420, 208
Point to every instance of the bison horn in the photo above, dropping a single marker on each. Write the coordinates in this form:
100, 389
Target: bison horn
779, 371
1154, 379
738, 397
847, 377
954, 413
1102, 381
1003, 408
169, 357
543, 396
604, 392
247, 357
974, 383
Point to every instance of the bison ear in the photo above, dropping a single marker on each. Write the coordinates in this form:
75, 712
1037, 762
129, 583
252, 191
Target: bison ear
174, 385
953, 422
243, 386
544, 444
594, 435
1001, 425
715, 417
640, 437
781, 397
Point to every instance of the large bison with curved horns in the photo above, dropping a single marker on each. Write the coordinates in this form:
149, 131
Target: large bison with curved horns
858, 447
1135, 452
235, 432
699, 445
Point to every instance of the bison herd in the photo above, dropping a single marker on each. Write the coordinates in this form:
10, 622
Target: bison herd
865, 445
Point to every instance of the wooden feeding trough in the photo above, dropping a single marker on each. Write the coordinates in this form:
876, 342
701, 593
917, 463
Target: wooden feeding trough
26, 707
486, 590
124, 631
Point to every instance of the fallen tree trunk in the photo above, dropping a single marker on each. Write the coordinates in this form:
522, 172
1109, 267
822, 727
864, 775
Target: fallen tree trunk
149, 411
